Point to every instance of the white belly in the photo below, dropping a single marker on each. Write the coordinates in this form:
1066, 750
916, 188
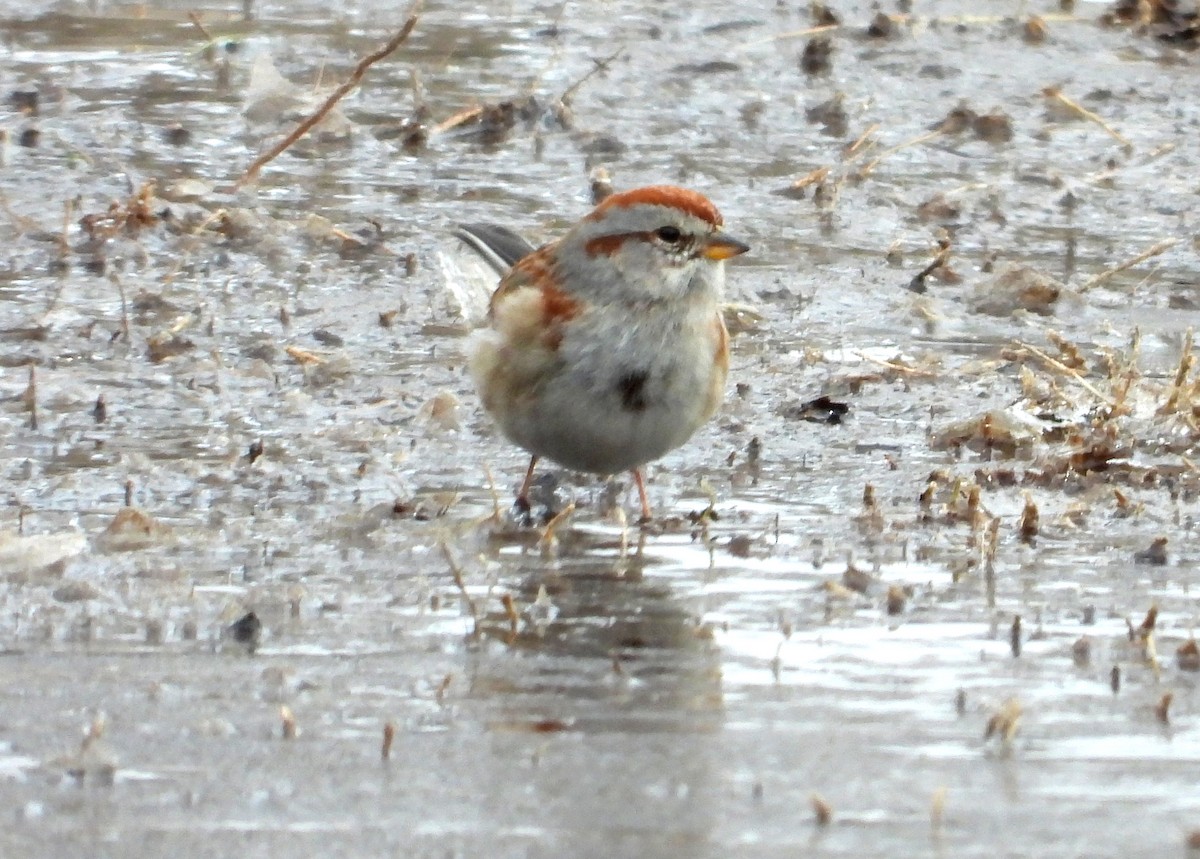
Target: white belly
612, 407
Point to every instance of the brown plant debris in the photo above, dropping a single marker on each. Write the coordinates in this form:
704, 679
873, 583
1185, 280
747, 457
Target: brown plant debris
303, 356
821, 410
1027, 526
126, 217
166, 345
817, 56
1171, 21
939, 208
1187, 656
287, 721
1162, 710
822, 810
882, 26
830, 115
1034, 30
938, 268
897, 598
823, 16
798, 189
1017, 287
937, 807
132, 528
857, 580
993, 432
1069, 353
1081, 651
1154, 555
96, 760
995, 127
246, 630
1004, 722
600, 183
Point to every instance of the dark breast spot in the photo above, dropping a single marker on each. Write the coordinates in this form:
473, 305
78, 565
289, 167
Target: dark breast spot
632, 388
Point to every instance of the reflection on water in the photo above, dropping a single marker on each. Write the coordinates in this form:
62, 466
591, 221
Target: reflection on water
267, 359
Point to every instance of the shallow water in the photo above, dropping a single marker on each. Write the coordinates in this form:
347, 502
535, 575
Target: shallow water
679, 692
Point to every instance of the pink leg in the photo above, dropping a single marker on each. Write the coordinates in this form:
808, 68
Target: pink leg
641, 488
523, 495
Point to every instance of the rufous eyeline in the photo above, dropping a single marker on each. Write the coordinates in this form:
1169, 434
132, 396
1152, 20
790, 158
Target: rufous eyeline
606, 349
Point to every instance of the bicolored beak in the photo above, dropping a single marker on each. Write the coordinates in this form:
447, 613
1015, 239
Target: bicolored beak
719, 246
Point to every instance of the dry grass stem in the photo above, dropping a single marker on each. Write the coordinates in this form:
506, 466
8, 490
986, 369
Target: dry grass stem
1153, 251
937, 808
491, 482
337, 95
1029, 523
443, 688
794, 34
902, 369
1055, 364
199, 25
597, 67
810, 178
1162, 710
548, 538
870, 166
389, 735
64, 239
467, 114
861, 143
1179, 385
510, 612
288, 722
822, 810
1081, 111
456, 572
989, 560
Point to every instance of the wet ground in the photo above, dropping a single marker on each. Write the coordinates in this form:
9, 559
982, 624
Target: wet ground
219, 401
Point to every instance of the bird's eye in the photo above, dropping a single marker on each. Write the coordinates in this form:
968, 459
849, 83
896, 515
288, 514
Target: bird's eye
671, 235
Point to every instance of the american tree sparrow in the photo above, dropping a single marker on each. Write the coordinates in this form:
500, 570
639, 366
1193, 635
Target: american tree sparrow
606, 349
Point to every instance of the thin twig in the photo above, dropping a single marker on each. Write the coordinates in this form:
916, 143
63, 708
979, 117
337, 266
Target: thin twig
337, 95
600, 66
1152, 251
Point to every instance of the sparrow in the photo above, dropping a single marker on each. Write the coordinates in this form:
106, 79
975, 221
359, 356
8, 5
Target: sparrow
606, 349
